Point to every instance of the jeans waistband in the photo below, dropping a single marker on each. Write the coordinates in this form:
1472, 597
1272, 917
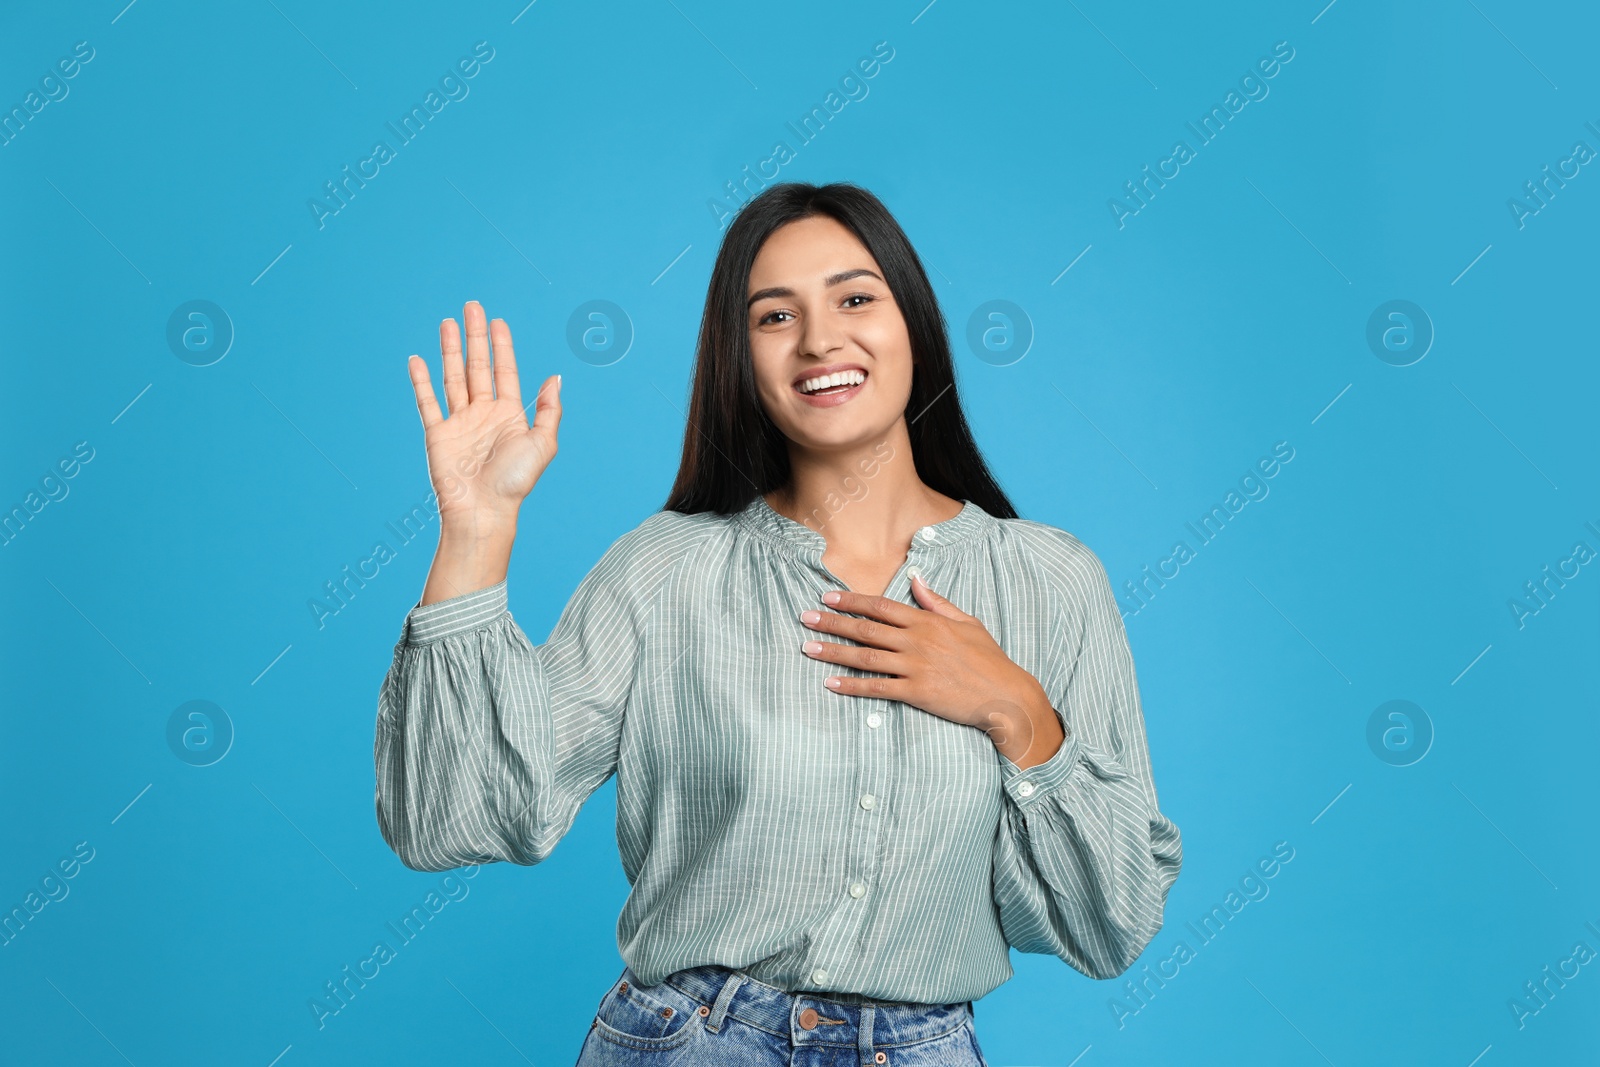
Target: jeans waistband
866, 1026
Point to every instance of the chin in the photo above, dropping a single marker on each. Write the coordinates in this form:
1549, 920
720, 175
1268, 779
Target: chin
839, 436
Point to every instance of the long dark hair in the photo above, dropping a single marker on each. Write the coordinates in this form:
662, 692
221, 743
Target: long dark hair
732, 450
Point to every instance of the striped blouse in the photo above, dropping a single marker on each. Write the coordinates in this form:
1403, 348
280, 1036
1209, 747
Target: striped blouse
820, 842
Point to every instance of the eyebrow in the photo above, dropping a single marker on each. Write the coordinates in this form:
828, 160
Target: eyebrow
828, 283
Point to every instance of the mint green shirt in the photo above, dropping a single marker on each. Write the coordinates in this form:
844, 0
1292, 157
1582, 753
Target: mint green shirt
819, 842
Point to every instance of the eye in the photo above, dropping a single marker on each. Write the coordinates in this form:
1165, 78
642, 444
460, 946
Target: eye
857, 296
763, 320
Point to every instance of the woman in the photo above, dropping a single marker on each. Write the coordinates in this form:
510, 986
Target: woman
869, 727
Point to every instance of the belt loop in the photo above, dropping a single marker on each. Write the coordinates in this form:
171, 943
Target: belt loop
864, 1034
720, 1008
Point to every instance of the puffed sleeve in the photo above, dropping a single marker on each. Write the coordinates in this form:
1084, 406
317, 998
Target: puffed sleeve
1083, 856
487, 745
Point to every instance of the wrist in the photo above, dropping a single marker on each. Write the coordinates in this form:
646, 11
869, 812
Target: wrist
470, 557
477, 529
1036, 733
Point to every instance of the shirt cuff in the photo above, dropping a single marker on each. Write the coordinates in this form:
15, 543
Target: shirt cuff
1028, 786
427, 623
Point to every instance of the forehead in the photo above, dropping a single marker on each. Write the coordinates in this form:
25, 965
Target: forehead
806, 251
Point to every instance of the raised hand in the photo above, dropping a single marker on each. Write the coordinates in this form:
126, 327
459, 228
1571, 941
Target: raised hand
484, 457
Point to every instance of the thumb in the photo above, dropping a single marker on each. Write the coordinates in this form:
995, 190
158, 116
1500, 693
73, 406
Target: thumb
547, 407
933, 601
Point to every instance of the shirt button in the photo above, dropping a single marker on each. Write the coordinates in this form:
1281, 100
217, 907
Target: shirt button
858, 890
914, 572
868, 801
1024, 789
928, 533
819, 976
874, 720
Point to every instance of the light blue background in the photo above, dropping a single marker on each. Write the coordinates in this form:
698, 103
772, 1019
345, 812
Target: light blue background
1229, 314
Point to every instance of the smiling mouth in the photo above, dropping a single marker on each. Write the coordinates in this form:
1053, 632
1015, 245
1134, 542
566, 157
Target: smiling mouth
833, 384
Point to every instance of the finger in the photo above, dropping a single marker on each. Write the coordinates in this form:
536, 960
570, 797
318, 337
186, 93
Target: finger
878, 607
866, 659
881, 688
479, 383
427, 403
936, 603
866, 631
506, 384
547, 411
455, 377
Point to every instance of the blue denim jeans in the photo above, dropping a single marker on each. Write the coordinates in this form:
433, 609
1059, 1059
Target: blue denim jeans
713, 1015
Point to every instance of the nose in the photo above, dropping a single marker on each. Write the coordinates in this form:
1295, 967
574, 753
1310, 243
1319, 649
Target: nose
820, 336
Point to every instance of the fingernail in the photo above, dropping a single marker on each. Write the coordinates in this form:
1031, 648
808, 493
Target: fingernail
558, 381
811, 618
830, 598
811, 648
832, 683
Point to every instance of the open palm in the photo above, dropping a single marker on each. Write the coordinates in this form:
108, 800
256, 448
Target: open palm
484, 458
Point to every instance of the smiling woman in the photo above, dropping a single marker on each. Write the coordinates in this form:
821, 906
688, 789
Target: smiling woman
830, 843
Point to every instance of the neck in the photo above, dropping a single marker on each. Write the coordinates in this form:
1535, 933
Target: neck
867, 500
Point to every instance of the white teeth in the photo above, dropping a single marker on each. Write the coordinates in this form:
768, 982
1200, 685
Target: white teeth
828, 381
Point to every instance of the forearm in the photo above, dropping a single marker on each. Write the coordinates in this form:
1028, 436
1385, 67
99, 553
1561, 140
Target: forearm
472, 555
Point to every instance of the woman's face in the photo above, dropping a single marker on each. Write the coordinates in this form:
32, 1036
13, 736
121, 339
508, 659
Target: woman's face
819, 307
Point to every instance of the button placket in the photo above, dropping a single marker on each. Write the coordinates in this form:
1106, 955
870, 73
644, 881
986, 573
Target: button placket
875, 766
862, 847
874, 759
875, 782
